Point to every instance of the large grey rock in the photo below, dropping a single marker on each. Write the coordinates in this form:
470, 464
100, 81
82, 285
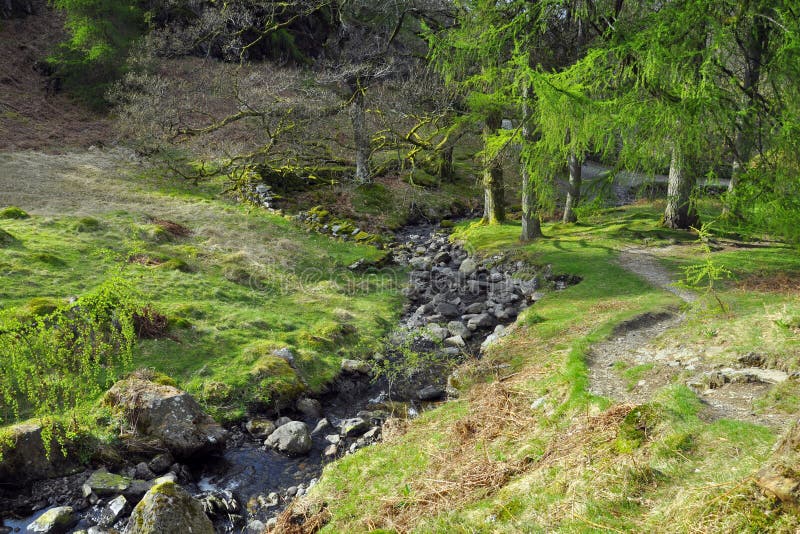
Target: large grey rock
168, 414
292, 438
437, 333
54, 521
160, 464
168, 508
26, 458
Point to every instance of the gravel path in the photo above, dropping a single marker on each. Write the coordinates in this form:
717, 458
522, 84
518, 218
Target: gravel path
630, 366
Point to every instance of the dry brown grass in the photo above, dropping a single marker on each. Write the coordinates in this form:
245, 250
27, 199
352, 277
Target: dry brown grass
172, 228
782, 283
298, 519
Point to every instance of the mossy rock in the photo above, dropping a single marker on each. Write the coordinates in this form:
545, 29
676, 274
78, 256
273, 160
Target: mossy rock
87, 224
48, 259
447, 223
176, 264
6, 239
273, 383
637, 427
13, 212
167, 507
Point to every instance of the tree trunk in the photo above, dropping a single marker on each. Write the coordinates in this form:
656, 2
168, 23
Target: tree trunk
446, 169
531, 224
494, 209
574, 193
360, 137
744, 141
680, 213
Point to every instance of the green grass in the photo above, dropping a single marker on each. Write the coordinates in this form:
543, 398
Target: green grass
663, 469
244, 277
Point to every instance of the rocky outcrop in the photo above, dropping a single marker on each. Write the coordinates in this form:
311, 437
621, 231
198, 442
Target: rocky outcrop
169, 415
25, 457
168, 508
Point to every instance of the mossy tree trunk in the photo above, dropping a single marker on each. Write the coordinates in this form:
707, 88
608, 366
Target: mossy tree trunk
446, 169
360, 136
574, 192
679, 213
494, 210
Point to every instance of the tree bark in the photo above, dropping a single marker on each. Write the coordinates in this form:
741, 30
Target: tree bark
531, 223
360, 137
446, 169
744, 141
494, 210
574, 192
680, 213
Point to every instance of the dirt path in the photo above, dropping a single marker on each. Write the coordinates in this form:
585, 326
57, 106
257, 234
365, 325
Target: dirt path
632, 364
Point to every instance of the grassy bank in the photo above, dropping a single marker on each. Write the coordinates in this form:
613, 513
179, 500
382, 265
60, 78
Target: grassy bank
234, 283
527, 447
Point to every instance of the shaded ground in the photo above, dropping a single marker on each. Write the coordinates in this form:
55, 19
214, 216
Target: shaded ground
632, 365
32, 114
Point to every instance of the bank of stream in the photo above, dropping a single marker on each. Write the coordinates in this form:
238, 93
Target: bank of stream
455, 306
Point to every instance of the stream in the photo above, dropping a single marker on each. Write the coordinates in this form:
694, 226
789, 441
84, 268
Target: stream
453, 305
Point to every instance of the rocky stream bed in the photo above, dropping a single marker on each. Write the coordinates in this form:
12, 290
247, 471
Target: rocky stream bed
242, 477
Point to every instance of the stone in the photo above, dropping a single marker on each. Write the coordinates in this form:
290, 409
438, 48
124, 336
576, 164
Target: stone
455, 341
103, 483
333, 438
356, 367
468, 267
447, 309
218, 504
168, 508
169, 415
26, 458
322, 424
160, 464
280, 421
476, 308
421, 263
353, 427
260, 428
255, 527
143, 472
437, 333
785, 488
457, 328
430, 393
113, 511
138, 488
292, 439
284, 353
54, 521
309, 407
331, 450
484, 320
442, 257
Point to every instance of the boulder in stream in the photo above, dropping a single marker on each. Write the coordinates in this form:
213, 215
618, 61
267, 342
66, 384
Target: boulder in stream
292, 438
